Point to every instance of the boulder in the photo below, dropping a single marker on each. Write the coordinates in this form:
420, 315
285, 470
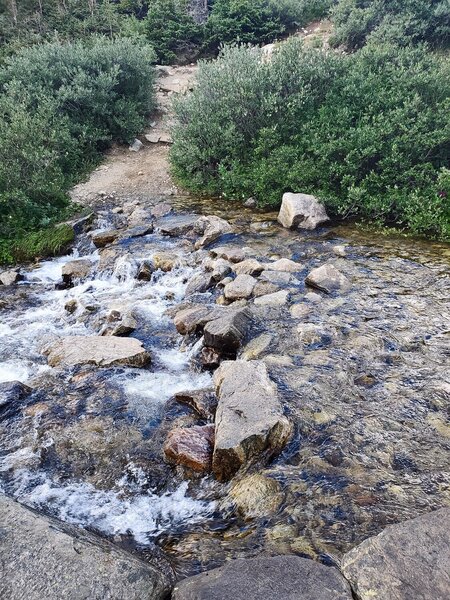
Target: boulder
266, 578
103, 238
301, 211
145, 271
136, 145
220, 268
165, 261
256, 496
199, 283
138, 217
276, 299
328, 279
204, 402
250, 203
284, 264
250, 266
227, 332
43, 558
406, 561
10, 277
138, 231
176, 225
193, 319
76, 269
233, 254
250, 423
280, 278
211, 228
262, 288
191, 447
240, 288
96, 350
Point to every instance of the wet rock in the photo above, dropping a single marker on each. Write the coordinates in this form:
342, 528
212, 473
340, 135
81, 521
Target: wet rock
10, 277
220, 268
256, 496
311, 333
262, 288
191, 447
276, 299
301, 211
13, 392
227, 332
76, 269
193, 319
250, 266
138, 231
44, 558
177, 225
328, 279
408, 560
103, 238
211, 228
210, 358
71, 306
284, 264
165, 261
145, 271
257, 346
233, 254
250, 424
204, 402
119, 324
199, 283
283, 577
100, 351
280, 278
241, 287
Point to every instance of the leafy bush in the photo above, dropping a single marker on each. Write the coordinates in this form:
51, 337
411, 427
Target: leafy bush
60, 105
368, 132
404, 21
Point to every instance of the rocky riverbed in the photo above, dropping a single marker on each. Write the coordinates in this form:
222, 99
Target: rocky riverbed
334, 341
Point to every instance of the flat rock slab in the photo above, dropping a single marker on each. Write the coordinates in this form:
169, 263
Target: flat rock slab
96, 350
301, 211
250, 424
277, 578
42, 558
176, 225
408, 561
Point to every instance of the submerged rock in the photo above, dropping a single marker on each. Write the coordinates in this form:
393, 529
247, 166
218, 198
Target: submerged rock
405, 561
301, 211
283, 577
43, 558
256, 496
191, 447
328, 279
97, 350
250, 423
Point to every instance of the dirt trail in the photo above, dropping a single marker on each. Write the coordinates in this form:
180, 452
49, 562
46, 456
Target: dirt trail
144, 174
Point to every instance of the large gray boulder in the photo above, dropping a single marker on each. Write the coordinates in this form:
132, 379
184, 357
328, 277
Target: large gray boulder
43, 558
250, 423
96, 350
240, 288
408, 561
280, 577
301, 211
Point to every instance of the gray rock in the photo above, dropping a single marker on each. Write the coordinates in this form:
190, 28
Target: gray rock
136, 145
43, 558
250, 266
328, 279
276, 299
101, 351
340, 251
284, 264
280, 577
103, 238
220, 269
250, 203
211, 228
257, 346
176, 225
199, 283
138, 231
10, 277
262, 288
239, 288
13, 393
76, 269
407, 561
301, 211
233, 254
227, 333
250, 423
278, 278
194, 318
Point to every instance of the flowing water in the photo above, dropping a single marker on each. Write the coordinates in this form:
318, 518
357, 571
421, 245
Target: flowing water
364, 377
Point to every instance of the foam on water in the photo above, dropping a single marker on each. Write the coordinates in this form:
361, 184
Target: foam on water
144, 515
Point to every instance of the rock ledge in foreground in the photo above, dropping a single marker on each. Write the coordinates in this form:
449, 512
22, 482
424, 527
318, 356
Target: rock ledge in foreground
42, 558
281, 577
407, 561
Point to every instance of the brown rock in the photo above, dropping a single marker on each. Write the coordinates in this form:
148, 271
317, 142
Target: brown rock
241, 288
191, 447
103, 238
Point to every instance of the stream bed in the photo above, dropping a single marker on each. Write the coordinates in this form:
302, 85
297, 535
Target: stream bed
364, 376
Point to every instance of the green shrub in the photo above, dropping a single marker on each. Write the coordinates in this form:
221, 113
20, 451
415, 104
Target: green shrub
368, 132
60, 105
404, 21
